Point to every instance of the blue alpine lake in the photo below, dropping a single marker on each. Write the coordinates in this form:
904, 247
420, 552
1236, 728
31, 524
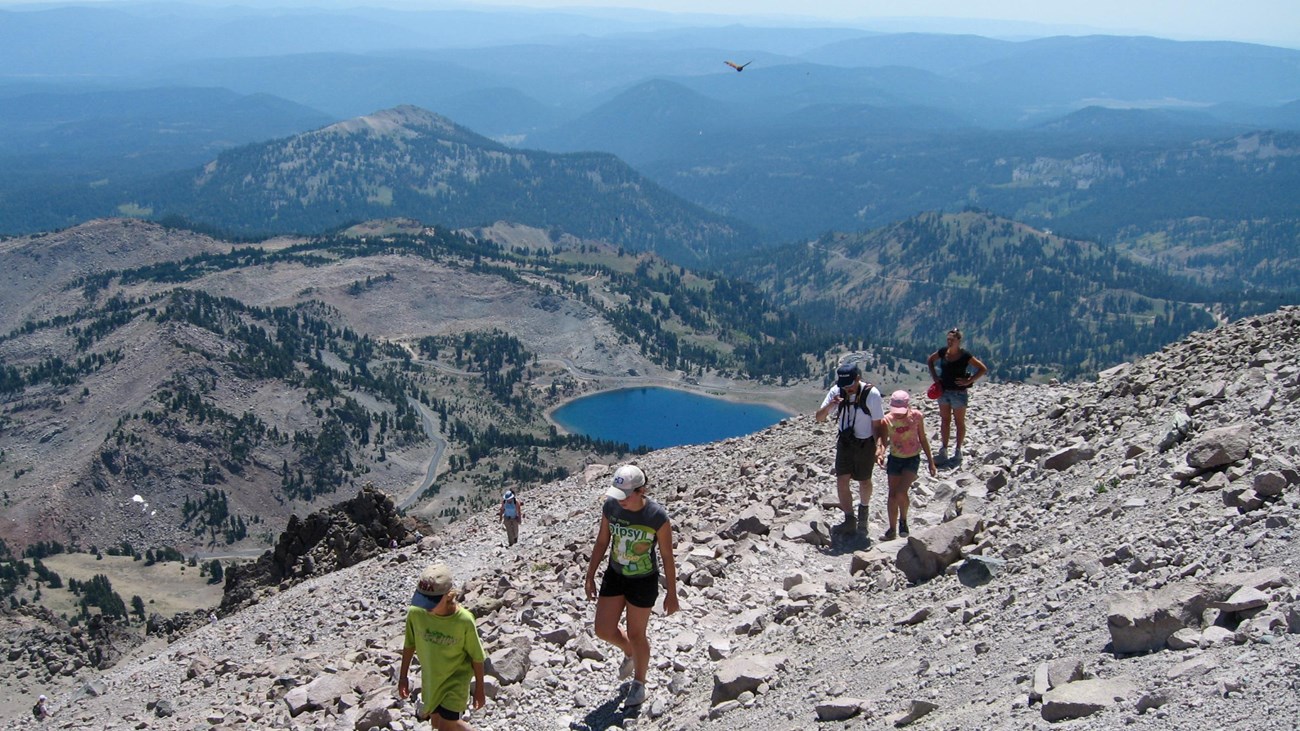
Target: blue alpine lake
662, 417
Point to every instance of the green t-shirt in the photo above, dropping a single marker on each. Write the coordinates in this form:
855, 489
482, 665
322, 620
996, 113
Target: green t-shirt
446, 647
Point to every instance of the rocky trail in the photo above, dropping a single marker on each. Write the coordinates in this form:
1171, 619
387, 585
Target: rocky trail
1111, 554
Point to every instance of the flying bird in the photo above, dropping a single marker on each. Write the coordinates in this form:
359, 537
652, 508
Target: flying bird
740, 67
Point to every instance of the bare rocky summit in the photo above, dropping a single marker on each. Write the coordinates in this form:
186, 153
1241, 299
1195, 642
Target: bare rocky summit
1117, 554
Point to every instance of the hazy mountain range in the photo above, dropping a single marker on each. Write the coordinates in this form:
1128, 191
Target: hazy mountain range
570, 202
828, 128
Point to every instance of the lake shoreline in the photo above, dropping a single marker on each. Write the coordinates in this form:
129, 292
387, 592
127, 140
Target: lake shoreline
656, 400
722, 392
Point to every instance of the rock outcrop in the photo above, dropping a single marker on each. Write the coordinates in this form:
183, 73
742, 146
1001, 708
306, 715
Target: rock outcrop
337, 537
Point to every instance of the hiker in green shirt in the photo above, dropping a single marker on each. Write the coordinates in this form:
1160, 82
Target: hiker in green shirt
443, 634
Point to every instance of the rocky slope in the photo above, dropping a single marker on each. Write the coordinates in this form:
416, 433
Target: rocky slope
1119, 551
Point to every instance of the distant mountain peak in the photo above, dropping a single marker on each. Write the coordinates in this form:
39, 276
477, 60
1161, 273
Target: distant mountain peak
407, 121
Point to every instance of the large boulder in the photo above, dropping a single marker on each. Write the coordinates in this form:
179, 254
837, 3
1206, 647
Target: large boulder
508, 664
743, 673
1086, 697
932, 550
1143, 620
1066, 458
324, 692
1220, 447
756, 519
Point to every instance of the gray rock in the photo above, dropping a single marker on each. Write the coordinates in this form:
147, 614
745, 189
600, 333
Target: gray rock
508, 664
1192, 668
807, 590
756, 519
839, 709
742, 673
932, 550
915, 711
1269, 484
1141, 621
1184, 639
1085, 697
1081, 565
1057, 672
375, 714
1220, 447
1179, 427
323, 692
1247, 597
1064, 459
978, 570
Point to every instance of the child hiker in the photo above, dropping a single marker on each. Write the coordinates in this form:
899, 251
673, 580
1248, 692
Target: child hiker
443, 634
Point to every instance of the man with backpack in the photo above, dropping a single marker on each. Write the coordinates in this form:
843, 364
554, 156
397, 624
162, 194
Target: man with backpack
860, 411
511, 513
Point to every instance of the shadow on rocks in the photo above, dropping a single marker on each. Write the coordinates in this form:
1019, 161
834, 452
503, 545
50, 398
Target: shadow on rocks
847, 543
610, 714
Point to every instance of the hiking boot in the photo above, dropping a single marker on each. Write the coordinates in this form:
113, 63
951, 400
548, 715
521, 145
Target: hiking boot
902, 529
942, 456
627, 667
862, 516
956, 454
635, 694
848, 526
889, 535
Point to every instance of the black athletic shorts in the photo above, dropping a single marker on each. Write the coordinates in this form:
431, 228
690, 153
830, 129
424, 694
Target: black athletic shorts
640, 591
855, 457
449, 715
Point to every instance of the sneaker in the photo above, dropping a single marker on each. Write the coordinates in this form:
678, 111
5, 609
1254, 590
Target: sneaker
956, 454
902, 529
942, 456
848, 526
635, 694
626, 669
889, 535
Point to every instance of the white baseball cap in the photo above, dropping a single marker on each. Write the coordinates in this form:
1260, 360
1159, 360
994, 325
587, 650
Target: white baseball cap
626, 480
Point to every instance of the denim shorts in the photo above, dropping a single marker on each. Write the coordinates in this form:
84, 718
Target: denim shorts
899, 465
956, 399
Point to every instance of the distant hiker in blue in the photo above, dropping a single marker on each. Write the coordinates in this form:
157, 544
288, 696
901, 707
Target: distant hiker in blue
950, 368
631, 527
511, 513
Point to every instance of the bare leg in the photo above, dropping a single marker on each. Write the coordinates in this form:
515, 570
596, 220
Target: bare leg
609, 609
844, 494
638, 618
864, 492
897, 496
960, 417
945, 420
903, 500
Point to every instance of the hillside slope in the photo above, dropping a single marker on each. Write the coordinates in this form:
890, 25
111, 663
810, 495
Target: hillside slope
1031, 299
1152, 510
228, 386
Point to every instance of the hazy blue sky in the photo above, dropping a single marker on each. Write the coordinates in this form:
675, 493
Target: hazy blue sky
1255, 20
1262, 21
